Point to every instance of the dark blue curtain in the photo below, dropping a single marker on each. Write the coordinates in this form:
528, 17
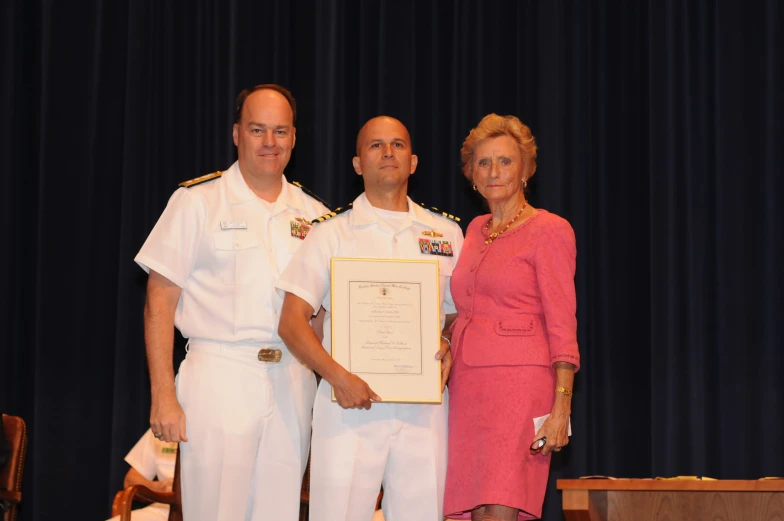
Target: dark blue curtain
660, 133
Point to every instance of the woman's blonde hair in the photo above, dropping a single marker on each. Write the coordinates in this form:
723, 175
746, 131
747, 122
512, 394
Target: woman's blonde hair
492, 126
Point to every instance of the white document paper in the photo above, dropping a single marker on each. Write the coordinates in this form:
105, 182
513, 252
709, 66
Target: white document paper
538, 422
385, 329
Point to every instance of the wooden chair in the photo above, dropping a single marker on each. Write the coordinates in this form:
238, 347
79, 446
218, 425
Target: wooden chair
304, 495
123, 500
11, 474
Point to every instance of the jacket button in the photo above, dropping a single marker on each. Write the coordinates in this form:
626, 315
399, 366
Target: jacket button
468, 292
473, 267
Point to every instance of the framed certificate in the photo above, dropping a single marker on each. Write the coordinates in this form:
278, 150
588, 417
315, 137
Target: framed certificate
386, 326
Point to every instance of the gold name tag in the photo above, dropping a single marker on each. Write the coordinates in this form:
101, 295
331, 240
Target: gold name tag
270, 355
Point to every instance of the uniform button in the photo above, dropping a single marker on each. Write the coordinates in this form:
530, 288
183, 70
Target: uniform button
236, 245
395, 239
468, 292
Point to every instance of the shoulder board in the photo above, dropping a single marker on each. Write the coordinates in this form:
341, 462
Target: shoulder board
332, 214
439, 212
202, 179
314, 196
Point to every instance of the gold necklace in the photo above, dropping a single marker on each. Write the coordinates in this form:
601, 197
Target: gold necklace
493, 236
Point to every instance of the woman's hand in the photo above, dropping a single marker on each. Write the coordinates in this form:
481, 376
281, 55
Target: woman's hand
445, 355
556, 427
556, 430
445, 352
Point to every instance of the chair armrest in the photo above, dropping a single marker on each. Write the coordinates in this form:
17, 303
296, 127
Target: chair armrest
119, 497
10, 495
145, 494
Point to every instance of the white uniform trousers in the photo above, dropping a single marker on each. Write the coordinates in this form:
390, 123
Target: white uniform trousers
248, 428
355, 451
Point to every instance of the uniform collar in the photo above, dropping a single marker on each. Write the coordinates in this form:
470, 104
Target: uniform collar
422, 216
290, 197
364, 214
240, 192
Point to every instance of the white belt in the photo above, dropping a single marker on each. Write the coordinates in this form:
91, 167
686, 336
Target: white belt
263, 353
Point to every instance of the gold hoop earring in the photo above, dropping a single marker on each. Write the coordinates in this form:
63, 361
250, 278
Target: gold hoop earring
475, 190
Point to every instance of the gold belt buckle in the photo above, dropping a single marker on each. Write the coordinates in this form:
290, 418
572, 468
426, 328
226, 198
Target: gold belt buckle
270, 355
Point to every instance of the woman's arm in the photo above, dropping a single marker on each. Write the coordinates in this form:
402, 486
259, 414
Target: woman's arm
555, 269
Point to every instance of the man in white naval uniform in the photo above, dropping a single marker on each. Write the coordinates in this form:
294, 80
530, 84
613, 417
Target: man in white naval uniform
357, 447
242, 404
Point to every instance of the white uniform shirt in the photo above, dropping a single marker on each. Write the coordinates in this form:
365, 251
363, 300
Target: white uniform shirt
362, 233
226, 249
153, 458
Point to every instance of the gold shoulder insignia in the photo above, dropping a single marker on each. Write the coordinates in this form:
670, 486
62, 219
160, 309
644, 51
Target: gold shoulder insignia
439, 212
202, 179
314, 196
332, 214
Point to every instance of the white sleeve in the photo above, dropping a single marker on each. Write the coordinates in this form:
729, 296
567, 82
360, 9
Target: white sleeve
172, 244
142, 456
457, 247
307, 273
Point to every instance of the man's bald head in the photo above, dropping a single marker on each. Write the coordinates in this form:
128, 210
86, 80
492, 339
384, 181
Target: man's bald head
374, 123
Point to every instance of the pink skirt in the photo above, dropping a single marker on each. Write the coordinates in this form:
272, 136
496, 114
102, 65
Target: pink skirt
491, 412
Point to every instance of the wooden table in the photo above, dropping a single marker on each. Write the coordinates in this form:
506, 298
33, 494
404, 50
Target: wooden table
672, 500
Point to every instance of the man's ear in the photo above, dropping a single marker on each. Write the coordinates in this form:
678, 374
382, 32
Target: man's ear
293, 136
357, 165
235, 133
414, 163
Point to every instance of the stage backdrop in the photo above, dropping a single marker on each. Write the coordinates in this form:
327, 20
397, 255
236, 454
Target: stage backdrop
660, 133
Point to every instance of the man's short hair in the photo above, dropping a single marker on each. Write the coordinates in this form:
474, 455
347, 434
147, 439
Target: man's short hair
242, 96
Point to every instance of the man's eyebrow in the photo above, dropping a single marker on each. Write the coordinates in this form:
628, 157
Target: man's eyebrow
393, 140
257, 124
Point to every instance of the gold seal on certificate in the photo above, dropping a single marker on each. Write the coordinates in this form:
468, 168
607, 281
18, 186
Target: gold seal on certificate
386, 326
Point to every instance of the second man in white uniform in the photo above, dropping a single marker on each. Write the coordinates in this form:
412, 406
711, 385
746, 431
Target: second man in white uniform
358, 445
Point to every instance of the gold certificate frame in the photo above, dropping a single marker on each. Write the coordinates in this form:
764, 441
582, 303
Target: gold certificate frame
386, 326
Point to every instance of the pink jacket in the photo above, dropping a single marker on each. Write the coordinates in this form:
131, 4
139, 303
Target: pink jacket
515, 298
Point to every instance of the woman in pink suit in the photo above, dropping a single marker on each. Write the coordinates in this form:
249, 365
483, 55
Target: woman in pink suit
514, 341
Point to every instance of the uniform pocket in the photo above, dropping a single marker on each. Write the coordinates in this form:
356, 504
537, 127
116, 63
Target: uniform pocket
445, 267
237, 253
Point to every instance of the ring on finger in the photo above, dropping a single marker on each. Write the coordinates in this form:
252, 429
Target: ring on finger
157, 434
